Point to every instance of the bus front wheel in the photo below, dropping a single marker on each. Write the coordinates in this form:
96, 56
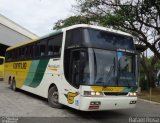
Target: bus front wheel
53, 97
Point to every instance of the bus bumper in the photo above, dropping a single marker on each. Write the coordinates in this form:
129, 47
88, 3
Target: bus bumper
107, 103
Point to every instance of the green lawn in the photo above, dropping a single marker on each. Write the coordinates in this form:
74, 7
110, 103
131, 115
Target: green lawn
154, 97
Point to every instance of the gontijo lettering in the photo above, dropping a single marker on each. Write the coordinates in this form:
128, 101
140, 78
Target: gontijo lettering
20, 65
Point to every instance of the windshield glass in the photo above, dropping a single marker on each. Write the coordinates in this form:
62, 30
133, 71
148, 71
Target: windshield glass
105, 65
108, 68
102, 39
126, 71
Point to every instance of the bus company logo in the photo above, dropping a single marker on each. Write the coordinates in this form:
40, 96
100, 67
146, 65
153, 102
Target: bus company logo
70, 97
20, 65
112, 89
107, 89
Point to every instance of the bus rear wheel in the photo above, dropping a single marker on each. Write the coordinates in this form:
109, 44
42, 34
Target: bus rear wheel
53, 98
13, 85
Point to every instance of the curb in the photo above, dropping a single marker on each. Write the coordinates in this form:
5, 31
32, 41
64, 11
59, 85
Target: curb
149, 101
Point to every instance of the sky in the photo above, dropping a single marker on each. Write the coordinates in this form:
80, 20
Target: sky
38, 16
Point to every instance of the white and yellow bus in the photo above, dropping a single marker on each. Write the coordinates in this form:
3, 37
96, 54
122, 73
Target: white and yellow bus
2, 59
85, 67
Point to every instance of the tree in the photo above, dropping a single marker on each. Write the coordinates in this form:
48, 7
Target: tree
141, 18
71, 21
149, 66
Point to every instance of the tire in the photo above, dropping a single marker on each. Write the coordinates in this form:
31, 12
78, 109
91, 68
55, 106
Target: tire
53, 98
10, 83
13, 85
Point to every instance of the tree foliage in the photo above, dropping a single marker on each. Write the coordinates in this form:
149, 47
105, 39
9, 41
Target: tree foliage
149, 67
70, 21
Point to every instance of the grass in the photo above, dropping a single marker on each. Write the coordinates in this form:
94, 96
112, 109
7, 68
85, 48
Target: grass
155, 95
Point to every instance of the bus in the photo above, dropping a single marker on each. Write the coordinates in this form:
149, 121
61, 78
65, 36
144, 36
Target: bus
2, 59
85, 67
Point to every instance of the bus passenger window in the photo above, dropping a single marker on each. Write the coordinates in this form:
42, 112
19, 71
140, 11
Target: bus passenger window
21, 53
9, 56
54, 46
18, 53
50, 50
29, 51
73, 37
31, 48
41, 48
1, 61
15, 56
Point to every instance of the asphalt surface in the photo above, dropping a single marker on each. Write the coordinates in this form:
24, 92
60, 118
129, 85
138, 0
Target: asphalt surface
28, 108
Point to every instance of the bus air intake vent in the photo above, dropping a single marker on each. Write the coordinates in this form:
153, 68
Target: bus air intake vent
115, 93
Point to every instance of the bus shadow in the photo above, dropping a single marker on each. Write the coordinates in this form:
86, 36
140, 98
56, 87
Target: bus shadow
94, 115
97, 115
34, 96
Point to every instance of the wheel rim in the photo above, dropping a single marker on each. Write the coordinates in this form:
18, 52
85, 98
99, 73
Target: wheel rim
55, 97
14, 86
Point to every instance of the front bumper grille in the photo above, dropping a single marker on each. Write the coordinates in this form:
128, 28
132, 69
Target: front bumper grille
115, 93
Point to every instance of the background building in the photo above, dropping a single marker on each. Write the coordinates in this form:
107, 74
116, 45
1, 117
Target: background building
12, 34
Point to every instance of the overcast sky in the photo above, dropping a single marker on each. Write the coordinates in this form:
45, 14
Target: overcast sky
38, 16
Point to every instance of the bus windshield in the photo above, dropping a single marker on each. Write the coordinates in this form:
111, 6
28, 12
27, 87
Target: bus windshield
93, 38
108, 68
106, 40
109, 61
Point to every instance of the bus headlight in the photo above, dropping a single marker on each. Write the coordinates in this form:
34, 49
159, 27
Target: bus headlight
92, 93
132, 94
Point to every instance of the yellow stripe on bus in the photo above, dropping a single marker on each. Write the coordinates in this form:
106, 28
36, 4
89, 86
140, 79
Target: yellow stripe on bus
18, 71
107, 89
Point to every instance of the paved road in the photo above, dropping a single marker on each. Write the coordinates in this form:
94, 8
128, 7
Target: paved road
23, 104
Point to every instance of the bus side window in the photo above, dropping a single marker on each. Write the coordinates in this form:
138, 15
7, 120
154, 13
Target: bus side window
1, 61
22, 51
29, 51
6, 56
41, 48
75, 68
73, 37
26, 48
54, 46
18, 52
15, 56
9, 56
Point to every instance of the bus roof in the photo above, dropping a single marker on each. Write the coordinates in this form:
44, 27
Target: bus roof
72, 27
34, 40
97, 27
